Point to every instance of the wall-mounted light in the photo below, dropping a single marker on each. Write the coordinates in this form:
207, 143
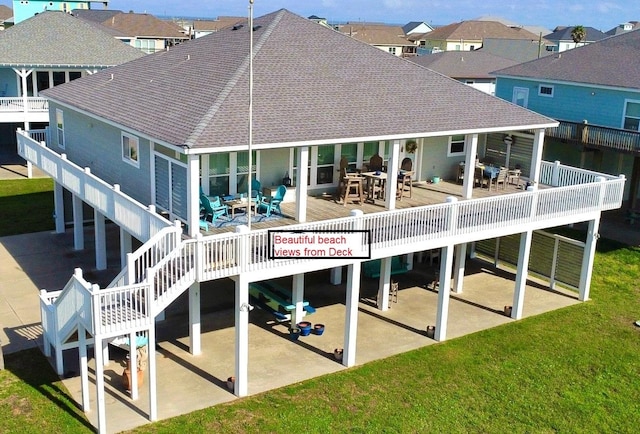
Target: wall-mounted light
508, 140
246, 307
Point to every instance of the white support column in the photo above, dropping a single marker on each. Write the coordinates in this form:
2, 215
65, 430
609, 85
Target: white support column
133, 365
105, 343
78, 224
521, 274
126, 246
297, 297
153, 374
84, 370
100, 398
458, 267
444, 292
100, 240
392, 176
351, 320
384, 283
587, 259
193, 192
242, 336
536, 157
29, 169
58, 207
469, 165
336, 276
301, 184
410, 261
195, 346
24, 73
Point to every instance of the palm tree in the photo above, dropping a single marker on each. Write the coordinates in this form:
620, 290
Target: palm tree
578, 34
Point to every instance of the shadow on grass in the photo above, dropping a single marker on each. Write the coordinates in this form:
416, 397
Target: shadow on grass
33, 369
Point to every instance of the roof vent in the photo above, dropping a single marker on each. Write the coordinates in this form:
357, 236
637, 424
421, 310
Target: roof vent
237, 27
256, 28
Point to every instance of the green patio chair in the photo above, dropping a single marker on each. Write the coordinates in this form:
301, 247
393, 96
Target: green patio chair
272, 203
211, 209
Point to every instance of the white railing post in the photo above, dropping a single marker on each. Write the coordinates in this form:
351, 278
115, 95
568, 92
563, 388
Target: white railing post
244, 243
555, 175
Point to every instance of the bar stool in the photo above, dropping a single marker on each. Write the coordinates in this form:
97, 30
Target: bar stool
352, 190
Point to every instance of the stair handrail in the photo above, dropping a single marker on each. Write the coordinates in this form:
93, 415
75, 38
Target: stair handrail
148, 255
167, 277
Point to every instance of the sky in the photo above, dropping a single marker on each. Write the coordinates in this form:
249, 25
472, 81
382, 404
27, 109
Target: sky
600, 14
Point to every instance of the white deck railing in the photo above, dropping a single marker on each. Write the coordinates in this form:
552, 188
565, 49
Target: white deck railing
16, 104
140, 221
165, 266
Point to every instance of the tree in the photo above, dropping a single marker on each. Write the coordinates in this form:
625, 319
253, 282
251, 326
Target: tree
578, 34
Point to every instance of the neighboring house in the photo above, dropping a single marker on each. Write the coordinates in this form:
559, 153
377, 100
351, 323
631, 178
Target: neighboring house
385, 37
470, 67
416, 27
6, 17
142, 31
624, 28
562, 39
594, 91
24, 9
167, 125
518, 50
535, 29
204, 27
469, 35
42, 52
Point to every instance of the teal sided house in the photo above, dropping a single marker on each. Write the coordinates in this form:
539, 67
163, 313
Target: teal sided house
594, 92
142, 142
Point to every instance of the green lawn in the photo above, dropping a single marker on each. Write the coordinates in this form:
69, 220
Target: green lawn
575, 370
27, 205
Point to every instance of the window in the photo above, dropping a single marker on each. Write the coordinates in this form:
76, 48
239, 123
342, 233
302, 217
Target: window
130, 148
325, 161
219, 170
520, 96
350, 152
456, 145
545, 90
60, 127
58, 77
392, 50
632, 116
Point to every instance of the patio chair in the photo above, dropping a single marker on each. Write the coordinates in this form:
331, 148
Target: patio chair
502, 178
405, 183
211, 209
375, 163
272, 203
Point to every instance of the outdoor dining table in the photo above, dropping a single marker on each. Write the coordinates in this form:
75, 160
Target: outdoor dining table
374, 178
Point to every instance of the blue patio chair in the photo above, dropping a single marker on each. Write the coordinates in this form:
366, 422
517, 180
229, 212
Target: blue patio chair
272, 203
211, 209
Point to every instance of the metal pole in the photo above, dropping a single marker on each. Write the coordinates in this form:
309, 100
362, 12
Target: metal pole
249, 198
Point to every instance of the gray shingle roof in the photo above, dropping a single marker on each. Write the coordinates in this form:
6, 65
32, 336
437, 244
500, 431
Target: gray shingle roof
463, 64
564, 34
614, 61
322, 87
59, 39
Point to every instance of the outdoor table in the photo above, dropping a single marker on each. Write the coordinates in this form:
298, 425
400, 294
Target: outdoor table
374, 178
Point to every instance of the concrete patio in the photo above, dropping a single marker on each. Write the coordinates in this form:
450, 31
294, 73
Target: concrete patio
29, 264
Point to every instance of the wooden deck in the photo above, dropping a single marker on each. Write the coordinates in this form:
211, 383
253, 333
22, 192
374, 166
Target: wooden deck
328, 207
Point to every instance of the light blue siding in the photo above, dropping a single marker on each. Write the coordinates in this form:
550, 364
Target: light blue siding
23, 10
93, 144
572, 103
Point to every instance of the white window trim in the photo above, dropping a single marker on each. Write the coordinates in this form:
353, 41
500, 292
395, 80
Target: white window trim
60, 131
546, 95
624, 112
456, 154
127, 159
